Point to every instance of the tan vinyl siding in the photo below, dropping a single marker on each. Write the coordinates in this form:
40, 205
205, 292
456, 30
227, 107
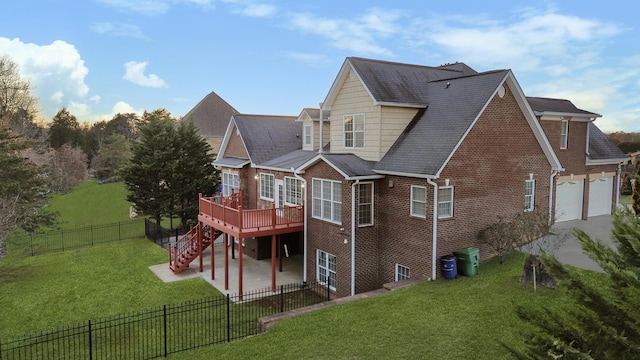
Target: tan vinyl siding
395, 120
235, 147
354, 99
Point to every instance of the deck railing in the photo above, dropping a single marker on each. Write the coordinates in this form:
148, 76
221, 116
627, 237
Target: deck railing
229, 211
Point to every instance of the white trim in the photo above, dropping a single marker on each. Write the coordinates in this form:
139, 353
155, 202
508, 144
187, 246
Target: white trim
564, 134
532, 202
353, 130
371, 204
273, 186
412, 200
320, 157
308, 128
287, 191
451, 212
327, 269
226, 188
322, 200
408, 272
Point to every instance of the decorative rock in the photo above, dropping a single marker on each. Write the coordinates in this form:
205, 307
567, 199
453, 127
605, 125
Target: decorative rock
542, 277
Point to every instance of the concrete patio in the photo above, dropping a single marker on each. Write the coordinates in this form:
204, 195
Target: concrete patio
257, 273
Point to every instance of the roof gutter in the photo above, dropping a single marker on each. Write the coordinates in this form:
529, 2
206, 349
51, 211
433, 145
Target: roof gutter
321, 144
396, 173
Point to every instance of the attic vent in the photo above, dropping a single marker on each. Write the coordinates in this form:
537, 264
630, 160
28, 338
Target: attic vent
352, 74
501, 91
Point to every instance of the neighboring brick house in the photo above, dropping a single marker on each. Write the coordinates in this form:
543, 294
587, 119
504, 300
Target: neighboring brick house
413, 161
211, 115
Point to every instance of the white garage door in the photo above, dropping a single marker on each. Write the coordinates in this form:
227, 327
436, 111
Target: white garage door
600, 194
569, 200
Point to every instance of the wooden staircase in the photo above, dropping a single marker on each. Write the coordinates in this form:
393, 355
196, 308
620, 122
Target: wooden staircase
185, 250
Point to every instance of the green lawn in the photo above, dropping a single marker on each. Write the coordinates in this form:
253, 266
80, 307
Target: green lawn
625, 199
40, 292
91, 204
466, 318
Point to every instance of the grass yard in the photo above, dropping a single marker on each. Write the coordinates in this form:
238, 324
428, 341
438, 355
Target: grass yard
91, 204
41, 292
625, 199
466, 318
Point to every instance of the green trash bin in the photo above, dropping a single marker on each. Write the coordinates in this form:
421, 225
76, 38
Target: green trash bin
468, 260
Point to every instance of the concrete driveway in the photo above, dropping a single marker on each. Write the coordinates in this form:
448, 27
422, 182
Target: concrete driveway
598, 227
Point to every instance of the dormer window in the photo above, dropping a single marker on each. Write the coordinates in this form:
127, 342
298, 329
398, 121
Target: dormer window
306, 135
353, 126
564, 134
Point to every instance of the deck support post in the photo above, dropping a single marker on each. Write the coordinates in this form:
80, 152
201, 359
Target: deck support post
240, 256
199, 235
273, 262
226, 261
213, 265
280, 250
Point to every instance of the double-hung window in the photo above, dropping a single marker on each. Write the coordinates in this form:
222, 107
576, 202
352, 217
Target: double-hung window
327, 200
564, 134
326, 269
353, 127
292, 191
365, 204
306, 135
402, 272
418, 201
529, 194
266, 186
230, 182
445, 202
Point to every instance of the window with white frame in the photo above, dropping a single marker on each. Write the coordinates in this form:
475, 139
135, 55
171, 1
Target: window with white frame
445, 202
230, 181
529, 194
306, 135
353, 127
418, 201
365, 204
266, 186
327, 200
326, 269
564, 134
402, 272
292, 191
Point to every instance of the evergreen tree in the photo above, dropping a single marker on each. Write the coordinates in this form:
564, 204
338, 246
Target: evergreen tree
148, 174
22, 189
605, 323
194, 171
635, 195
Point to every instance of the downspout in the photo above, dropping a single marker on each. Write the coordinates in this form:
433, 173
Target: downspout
434, 245
304, 232
618, 183
551, 220
353, 237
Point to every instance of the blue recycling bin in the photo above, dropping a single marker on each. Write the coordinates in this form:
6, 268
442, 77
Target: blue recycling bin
449, 267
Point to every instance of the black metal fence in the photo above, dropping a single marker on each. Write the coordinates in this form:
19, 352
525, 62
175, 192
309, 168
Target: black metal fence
67, 239
165, 330
160, 235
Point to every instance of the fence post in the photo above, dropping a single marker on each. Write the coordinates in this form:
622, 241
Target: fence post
164, 316
228, 319
31, 244
62, 238
90, 343
328, 289
281, 298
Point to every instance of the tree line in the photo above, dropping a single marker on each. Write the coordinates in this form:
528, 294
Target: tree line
163, 161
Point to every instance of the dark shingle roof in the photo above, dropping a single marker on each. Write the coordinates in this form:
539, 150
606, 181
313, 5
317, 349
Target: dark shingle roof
211, 115
314, 113
541, 105
601, 147
232, 162
431, 137
291, 160
268, 137
403, 83
349, 165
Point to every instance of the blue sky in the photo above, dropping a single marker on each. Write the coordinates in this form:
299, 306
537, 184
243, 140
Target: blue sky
101, 57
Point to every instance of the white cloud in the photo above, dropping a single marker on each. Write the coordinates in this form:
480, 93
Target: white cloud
259, 10
135, 73
56, 71
153, 7
308, 59
95, 99
361, 35
123, 30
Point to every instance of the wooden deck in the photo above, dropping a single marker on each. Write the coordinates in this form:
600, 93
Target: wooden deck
227, 214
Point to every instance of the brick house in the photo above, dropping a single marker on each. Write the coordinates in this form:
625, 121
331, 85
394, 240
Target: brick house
402, 164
